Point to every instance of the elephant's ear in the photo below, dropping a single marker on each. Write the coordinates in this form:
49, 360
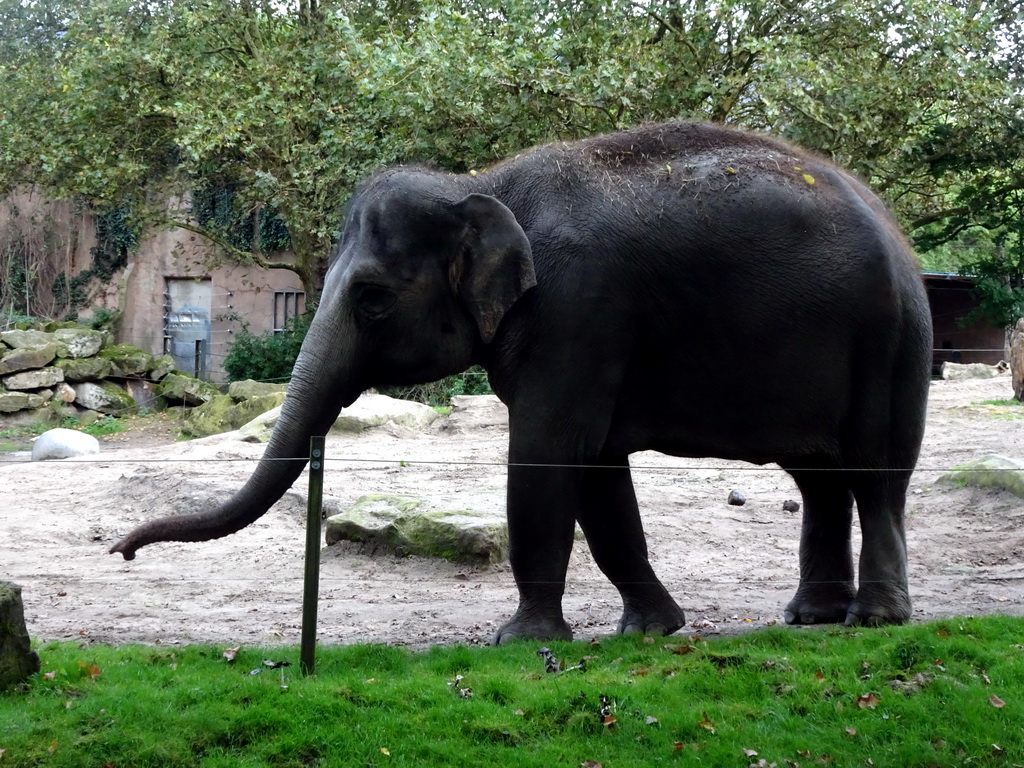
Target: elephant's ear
495, 266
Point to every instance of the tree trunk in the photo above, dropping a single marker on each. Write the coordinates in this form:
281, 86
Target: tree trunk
1017, 359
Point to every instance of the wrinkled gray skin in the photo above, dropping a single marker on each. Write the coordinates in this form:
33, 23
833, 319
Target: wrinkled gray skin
680, 287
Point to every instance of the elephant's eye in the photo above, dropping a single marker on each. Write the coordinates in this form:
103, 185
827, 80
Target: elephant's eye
372, 302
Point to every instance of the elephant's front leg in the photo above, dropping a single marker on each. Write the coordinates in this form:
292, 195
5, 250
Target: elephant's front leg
611, 521
542, 505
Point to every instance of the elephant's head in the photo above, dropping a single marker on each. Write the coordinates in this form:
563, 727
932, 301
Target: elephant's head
418, 284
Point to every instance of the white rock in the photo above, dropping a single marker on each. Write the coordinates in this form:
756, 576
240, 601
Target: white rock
63, 444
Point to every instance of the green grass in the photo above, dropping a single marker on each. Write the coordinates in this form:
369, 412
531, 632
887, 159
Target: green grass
906, 696
1011, 403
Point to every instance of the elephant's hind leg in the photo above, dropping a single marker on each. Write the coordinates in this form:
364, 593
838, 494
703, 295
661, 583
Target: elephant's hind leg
883, 596
611, 521
826, 588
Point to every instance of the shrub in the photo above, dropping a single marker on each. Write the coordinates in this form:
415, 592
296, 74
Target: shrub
269, 357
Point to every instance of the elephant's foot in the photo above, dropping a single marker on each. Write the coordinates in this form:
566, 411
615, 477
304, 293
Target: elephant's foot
525, 626
877, 606
821, 604
660, 620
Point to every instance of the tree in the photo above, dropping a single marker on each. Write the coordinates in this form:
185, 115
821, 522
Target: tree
280, 110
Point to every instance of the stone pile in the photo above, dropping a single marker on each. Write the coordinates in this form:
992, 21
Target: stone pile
47, 376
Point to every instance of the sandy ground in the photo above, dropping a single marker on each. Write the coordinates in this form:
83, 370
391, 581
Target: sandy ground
729, 567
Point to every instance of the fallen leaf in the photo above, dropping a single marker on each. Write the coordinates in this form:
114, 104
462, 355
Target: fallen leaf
590, 764
384, 751
49, 675
986, 679
67, 704
678, 746
90, 669
996, 702
706, 723
819, 675
867, 701
806, 753
230, 653
808, 178
53, 747
276, 664
651, 720
608, 720
750, 753
851, 731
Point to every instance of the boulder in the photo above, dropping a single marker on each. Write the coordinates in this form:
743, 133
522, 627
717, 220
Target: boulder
243, 390
36, 378
222, 414
78, 342
1017, 359
962, 371
398, 524
63, 444
127, 360
24, 339
161, 366
993, 471
85, 369
17, 659
26, 358
143, 392
64, 393
105, 397
470, 412
182, 388
372, 410
19, 401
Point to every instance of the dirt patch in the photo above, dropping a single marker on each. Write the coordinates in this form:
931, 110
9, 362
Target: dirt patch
729, 567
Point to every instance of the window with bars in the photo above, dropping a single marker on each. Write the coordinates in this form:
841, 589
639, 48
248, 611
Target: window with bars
287, 304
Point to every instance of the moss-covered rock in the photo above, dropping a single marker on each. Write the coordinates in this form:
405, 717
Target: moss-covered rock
85, 369
247, 388
398, 524
992, 471
27, 358
78, 342
161, 366
17, 659
28, 338
179, 387
222, 414
127, 360
19, 401
105, 397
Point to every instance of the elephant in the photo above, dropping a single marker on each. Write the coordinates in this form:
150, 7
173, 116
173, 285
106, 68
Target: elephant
681, 287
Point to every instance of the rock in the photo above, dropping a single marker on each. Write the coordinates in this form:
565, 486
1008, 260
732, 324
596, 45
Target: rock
161, 367
471, 412
127, 360
223, 414
1017, 359
78, 342
63, 444
143, 392
19, 401
34, 379
86, 369
991, 471
789, 505
182, 388
17, 659
398, 524
962, 371
64, 393
105, 397
243, 390
26, 339
259, 429
26, 358
737, 499
372, 410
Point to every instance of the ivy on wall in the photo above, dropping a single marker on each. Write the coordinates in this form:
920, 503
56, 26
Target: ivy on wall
116, 237
215, 207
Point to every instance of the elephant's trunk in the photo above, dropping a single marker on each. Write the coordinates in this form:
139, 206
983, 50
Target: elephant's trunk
323, 382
